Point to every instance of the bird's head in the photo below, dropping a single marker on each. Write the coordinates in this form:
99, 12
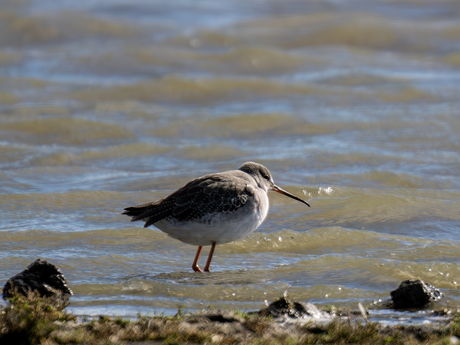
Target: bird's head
264, 179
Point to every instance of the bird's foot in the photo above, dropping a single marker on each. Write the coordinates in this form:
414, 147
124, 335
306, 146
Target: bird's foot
196, 268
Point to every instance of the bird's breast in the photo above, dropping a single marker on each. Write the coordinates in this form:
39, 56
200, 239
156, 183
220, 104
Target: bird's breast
219, 227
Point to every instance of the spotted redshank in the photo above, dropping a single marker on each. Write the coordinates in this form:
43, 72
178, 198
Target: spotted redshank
213, 209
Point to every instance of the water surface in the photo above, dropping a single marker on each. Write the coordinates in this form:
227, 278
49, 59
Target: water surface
353, 106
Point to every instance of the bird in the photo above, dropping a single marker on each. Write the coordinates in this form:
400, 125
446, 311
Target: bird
213, 209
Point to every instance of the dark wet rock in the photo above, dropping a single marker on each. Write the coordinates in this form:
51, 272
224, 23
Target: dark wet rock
222, 318
414, 294
283, 307
216, 316
40, 277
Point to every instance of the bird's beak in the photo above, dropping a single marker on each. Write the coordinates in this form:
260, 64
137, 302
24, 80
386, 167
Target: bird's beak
282, 191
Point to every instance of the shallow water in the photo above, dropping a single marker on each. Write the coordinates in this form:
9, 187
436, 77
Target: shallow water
351, 105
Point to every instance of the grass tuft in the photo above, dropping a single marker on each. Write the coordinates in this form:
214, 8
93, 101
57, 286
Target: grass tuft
30, 319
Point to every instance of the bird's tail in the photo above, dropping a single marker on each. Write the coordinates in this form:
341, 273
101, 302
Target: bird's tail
137, 212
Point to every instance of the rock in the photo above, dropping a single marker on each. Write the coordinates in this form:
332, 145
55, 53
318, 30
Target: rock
40, 277
283, 307
414, 294
219, 316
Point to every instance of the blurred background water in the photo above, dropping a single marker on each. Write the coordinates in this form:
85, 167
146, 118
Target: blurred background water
352, 105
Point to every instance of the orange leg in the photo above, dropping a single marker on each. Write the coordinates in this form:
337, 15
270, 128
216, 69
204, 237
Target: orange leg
211, 252
195, 262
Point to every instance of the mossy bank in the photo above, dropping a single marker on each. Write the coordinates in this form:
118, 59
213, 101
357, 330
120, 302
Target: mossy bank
44, 321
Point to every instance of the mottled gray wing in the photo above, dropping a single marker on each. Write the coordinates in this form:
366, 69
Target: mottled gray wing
203, 196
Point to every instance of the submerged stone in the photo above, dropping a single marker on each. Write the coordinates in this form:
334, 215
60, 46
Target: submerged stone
414, 294
40, 277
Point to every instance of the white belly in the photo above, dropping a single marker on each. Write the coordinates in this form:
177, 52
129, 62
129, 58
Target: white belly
220, 227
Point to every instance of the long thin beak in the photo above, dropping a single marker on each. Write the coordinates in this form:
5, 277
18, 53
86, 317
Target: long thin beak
282, 191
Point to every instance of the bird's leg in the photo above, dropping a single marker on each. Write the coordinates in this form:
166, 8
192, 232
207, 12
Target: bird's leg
211, 252
195, 262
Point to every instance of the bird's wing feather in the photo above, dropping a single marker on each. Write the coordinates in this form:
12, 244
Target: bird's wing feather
206, 195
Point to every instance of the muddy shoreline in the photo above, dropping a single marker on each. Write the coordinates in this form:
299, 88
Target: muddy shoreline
36, 313
39, 321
